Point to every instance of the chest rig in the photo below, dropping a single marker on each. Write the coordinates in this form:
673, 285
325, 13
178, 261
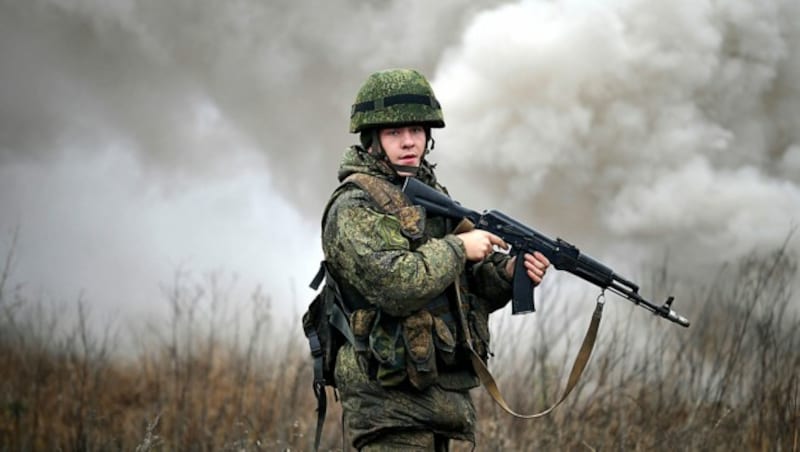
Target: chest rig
420, 348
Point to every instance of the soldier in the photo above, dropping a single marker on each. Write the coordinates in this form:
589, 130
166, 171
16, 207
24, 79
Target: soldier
417, 291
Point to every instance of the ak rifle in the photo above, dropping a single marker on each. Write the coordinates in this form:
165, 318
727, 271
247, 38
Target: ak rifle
523, 239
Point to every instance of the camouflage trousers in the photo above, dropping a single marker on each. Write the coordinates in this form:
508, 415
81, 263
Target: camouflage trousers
387, 419
408, 441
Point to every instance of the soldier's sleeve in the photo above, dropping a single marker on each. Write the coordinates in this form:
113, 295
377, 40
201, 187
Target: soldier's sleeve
368, 249
489, 280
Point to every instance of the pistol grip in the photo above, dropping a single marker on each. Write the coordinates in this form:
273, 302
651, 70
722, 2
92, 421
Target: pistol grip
522, 295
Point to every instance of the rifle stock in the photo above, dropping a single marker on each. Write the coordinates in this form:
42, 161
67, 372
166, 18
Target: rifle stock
523, 239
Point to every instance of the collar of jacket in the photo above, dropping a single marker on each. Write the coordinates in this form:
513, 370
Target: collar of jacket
357, 160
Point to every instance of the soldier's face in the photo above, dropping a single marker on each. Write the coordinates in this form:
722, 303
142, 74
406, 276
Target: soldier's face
404, 145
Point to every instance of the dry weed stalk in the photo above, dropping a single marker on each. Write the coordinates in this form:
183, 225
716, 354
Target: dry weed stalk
220, 380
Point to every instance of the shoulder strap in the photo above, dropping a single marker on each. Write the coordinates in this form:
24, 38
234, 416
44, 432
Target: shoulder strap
386, 195
390, 199
334, 314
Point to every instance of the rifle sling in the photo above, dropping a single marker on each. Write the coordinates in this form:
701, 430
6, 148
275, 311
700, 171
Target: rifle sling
578, 366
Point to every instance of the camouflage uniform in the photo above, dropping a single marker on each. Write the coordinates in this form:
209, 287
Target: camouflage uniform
407, 387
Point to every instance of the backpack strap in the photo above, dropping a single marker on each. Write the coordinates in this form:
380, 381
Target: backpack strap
318, 383
336, 316
319, 387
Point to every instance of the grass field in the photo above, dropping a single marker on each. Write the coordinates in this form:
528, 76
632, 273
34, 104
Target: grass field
730, 382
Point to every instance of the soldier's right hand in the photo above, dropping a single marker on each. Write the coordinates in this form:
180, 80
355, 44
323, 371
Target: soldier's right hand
479, 244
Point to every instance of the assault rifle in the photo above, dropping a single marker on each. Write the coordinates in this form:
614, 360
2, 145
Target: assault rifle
523, 239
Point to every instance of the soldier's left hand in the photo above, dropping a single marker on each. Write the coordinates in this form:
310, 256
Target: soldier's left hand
536, 265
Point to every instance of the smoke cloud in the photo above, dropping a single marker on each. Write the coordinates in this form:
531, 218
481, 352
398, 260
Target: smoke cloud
140, 136
639, 129
181, 84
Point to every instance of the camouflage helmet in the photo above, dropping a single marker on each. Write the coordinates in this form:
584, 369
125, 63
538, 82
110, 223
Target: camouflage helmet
395, 96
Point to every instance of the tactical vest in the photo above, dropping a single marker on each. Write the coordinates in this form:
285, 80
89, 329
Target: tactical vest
419, 349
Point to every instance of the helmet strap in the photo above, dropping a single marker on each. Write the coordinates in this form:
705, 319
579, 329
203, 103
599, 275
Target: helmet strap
429, 140
375, 146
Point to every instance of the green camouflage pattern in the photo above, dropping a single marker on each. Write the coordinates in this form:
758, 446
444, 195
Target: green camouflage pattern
371, 410
405, 441
390, 82
368, 248
393, 201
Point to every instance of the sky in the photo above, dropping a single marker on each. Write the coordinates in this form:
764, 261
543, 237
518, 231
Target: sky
141, 139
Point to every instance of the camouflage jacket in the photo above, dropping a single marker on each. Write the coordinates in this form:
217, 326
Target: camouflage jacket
374, 260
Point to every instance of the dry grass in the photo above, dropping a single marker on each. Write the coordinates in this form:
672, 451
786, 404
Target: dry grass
730, 382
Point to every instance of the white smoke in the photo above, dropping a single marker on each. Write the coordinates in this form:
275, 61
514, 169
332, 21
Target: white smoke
138, 136
142, 137
636, 128
85, 74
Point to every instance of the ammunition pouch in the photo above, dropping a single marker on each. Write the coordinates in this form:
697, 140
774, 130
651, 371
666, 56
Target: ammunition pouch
419, 344
404, 349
